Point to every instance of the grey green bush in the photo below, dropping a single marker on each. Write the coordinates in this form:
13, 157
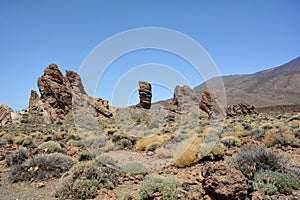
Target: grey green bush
167, 187
134, 168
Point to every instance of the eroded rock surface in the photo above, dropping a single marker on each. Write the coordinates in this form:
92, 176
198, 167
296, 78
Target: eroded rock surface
240, 109
145, 93
211, 104
61, 95
223, 182
5, 115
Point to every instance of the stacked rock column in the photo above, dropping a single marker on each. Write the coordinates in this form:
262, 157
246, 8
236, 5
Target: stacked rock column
145, 93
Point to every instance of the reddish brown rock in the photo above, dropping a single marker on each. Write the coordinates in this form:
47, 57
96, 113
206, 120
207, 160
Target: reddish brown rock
5, 115
211, 104
145, 93
240, 109
34, 98
60, 95
223, 182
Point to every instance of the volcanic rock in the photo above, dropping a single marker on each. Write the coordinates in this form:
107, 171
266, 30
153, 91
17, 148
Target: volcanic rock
5, 115
211, 104
223, 182
240, 109
145, 93
62, 94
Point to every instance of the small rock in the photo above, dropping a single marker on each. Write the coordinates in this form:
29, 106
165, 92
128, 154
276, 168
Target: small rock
40, 185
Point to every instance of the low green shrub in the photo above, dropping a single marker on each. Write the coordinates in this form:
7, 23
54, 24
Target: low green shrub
167, 187
211, 151
84, 179
50, 147
271, 182
231, 141
103, 160
134, 168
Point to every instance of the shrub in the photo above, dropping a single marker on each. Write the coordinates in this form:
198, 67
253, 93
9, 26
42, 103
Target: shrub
270, 138
41, 167
142, 144
211, 151
271, 182
83, 180
16, 157
134, 168
103, 160
254, 158
187, 152
84, 155
283, 141
153, 146
50, 147
167, 187
231, 141
75, 143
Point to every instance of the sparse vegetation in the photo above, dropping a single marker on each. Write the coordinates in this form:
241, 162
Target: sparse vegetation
167, 187
134, 168
41, 167
271, 182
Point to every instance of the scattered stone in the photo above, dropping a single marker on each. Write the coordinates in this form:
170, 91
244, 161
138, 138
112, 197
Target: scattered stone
223, 182
240, 109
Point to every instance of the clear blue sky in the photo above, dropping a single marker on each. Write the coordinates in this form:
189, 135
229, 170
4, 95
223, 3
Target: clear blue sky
240, 36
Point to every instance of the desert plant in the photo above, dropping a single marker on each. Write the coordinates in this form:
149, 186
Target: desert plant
153, 146
41, 167
84, 179
16, 157
187, 152
251, 159
231, 141
167, 187
272, 181
50, 147
75, 143
270, 137
142, 144
103, 160
84, 155
211, 151
134, 168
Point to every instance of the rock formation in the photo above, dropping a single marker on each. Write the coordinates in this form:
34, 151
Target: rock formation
223, 182
240, 109
5, 115
145, 93
62, 94
211, 104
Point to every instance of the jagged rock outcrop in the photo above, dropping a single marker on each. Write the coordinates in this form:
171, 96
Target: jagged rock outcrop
145, 93
211, 104
60, 95
240, 109
5, 115
223, 182
184, 105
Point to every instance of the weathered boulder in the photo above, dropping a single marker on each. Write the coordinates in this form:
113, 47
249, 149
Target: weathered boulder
60, 95
145, 93
5, 115
223, 182
211, 104
240, 109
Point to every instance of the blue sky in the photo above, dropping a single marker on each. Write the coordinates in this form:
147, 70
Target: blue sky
240, 36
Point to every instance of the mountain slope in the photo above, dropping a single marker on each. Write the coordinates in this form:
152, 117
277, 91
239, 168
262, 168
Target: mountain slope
275, 86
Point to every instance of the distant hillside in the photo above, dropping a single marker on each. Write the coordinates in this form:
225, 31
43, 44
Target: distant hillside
276, 86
